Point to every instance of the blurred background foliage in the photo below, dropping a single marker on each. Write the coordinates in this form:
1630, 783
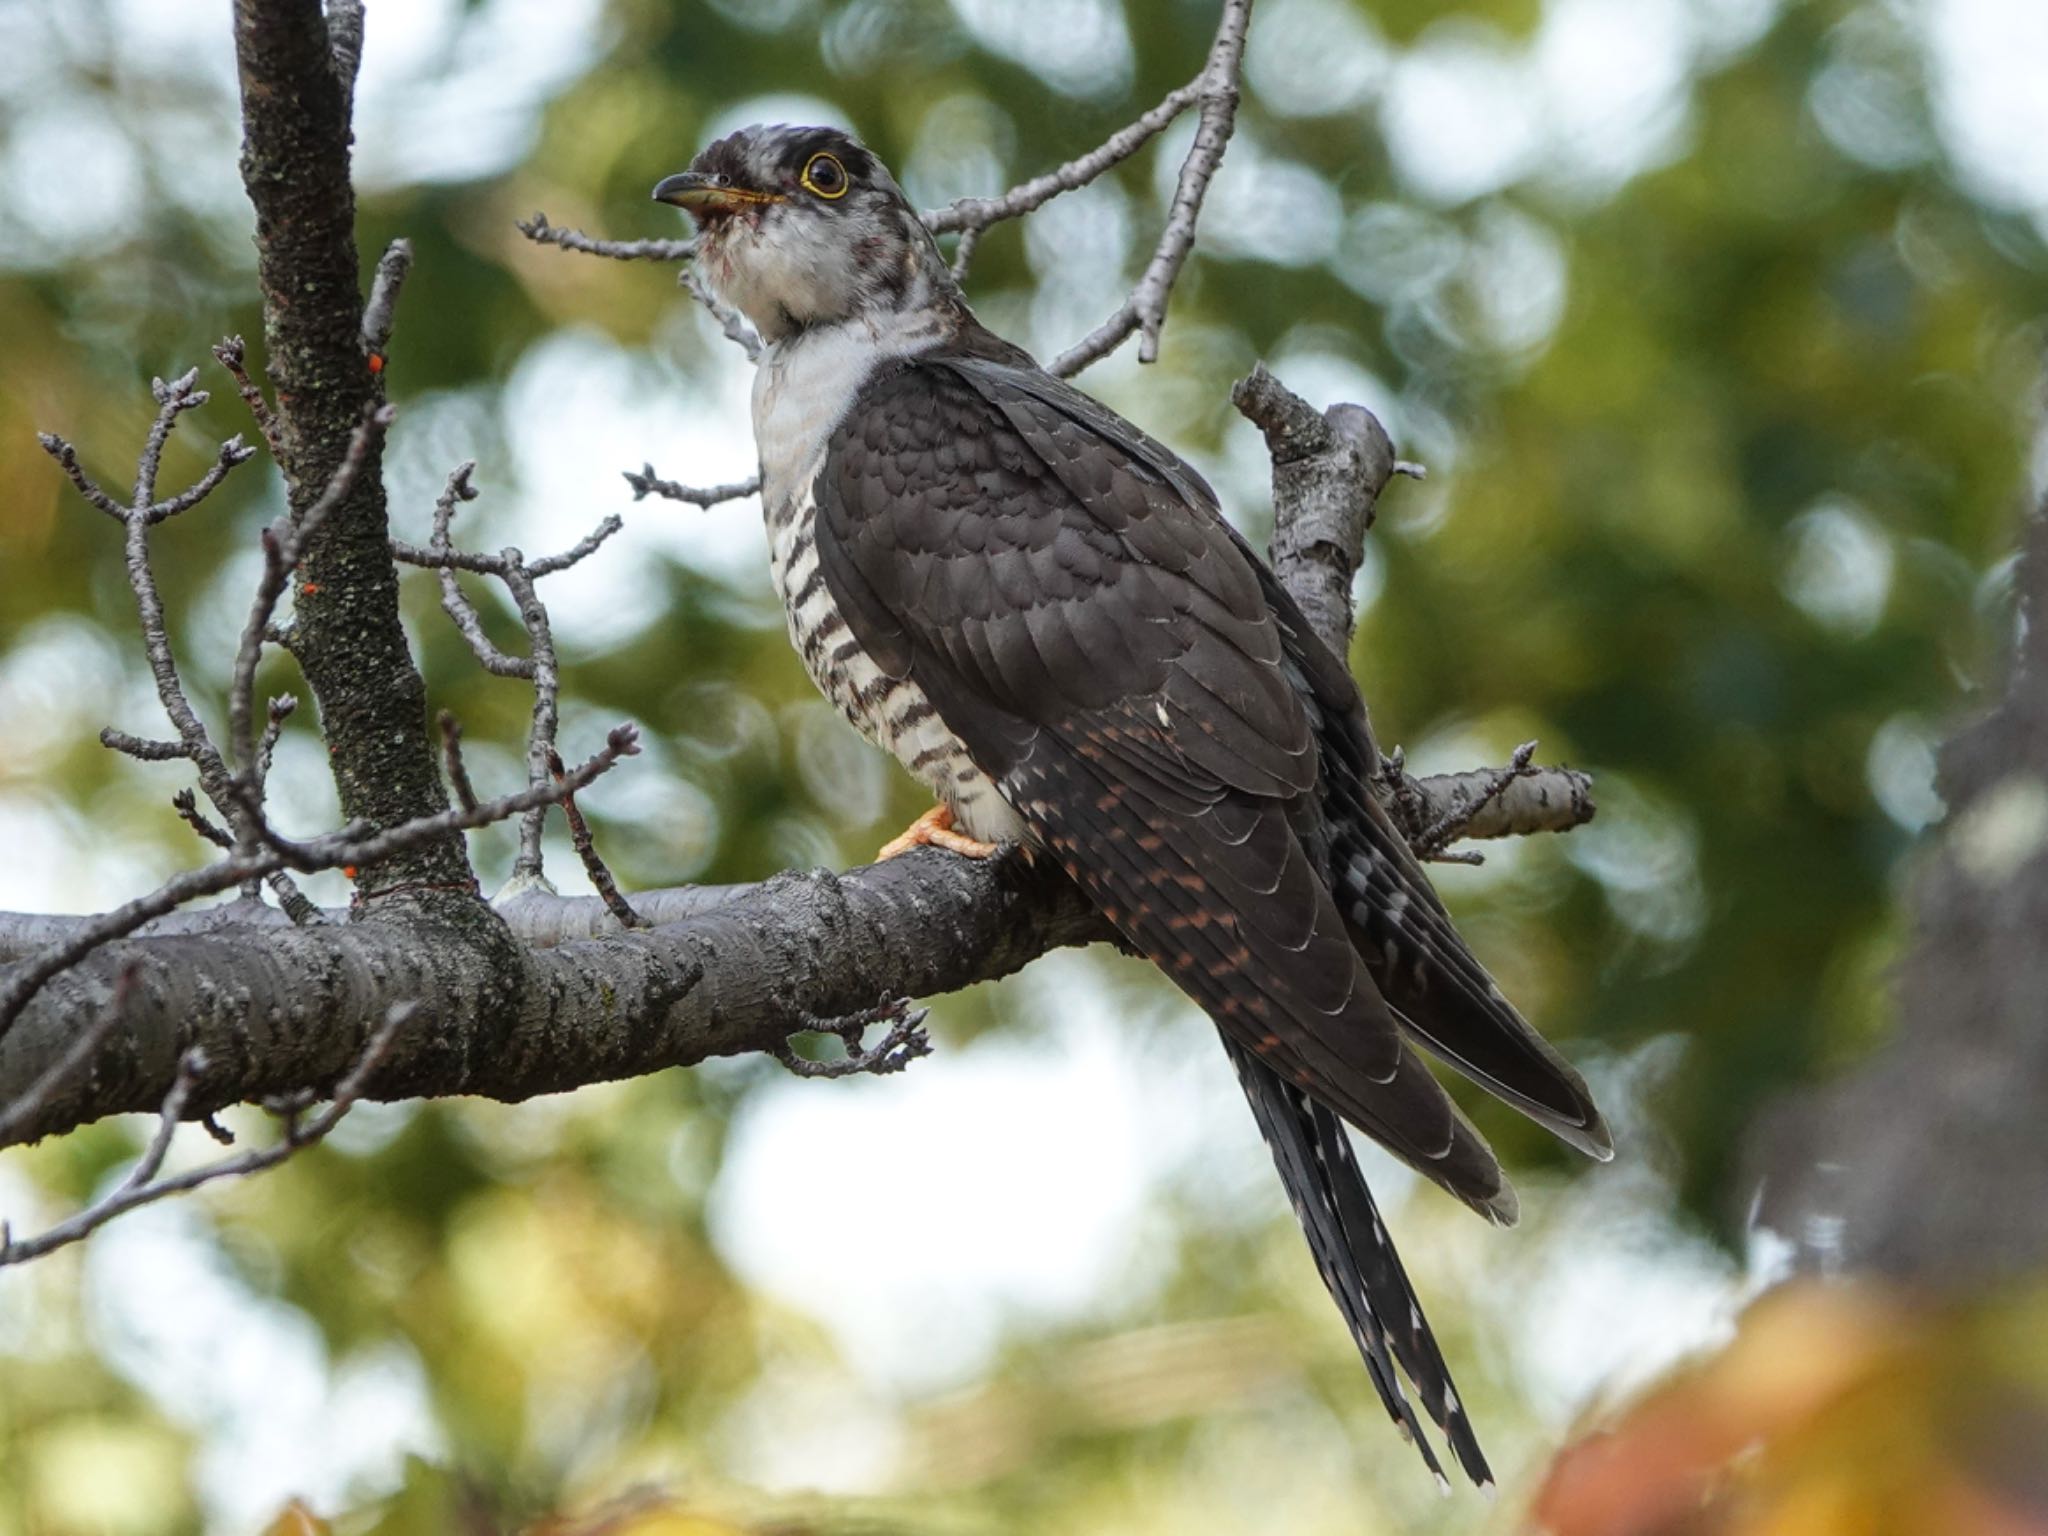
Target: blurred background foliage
1718, 325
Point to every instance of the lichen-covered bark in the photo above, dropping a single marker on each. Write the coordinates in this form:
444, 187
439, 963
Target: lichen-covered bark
347, 634
286, 1008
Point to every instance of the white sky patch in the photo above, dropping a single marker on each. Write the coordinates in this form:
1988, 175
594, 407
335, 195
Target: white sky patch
1261, 206
1012, 1179
1314, 58
962, 145
1866, 97
1393, 251
1645, 854
1990, 103
72, 182
1900, 767
1614, 78
792, 107
1458, 114
1838, 567
1611, 1293
451, 92
579, 409
1517, 277
1078, 47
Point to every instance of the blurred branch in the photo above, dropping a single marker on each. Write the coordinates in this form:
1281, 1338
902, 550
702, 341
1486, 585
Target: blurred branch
1927, 1163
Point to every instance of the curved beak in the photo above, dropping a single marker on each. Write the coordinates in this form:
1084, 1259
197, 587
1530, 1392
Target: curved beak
700, 193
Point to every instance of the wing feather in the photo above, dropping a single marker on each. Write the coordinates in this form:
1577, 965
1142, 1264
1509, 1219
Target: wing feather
1112, 655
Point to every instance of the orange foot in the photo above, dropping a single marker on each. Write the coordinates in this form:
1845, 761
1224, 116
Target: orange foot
935, 826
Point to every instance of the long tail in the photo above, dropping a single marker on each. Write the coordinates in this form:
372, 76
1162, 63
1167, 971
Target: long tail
1358, 1262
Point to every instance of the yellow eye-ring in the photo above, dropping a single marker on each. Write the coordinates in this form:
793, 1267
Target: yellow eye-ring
826, 177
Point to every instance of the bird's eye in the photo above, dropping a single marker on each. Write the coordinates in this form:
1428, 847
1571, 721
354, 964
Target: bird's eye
825, 176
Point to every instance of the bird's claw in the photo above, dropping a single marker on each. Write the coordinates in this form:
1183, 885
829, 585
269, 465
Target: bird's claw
935, 829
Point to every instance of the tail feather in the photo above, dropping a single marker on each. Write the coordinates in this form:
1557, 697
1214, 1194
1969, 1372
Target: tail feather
1358, 1263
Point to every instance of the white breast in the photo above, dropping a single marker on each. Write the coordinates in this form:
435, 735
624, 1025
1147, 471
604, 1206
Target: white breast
803, 389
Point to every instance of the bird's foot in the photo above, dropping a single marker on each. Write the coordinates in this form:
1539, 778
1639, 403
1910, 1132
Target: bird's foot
935, 827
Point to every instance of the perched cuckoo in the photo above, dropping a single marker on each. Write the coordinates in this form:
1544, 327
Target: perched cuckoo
1044, 615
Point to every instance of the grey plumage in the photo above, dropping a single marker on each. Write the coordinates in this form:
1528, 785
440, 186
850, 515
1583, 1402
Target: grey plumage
1042, 612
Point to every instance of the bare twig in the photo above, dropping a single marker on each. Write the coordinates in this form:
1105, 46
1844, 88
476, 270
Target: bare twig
1144, 312
451, 756
142, 1186
142, 512
547, 692
381, 310
345, 42
143, 748
541, 232
583, 548
905, 1041
730, 320
538, 666
187, 806
67, 459
647, 483
232, 353
1510, 801
593, 865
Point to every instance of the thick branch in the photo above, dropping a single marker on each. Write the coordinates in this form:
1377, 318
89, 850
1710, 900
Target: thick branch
1329, 468
295, 1010
347, 636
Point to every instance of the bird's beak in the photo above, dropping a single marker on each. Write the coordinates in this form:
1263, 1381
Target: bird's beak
700, 193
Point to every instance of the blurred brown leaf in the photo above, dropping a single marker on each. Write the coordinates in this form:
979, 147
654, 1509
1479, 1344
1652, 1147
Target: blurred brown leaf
297, 1520
1835, 1411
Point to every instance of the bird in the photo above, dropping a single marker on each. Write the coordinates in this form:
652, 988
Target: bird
1044, 615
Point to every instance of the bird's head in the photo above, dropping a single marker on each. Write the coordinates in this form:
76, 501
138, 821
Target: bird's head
799, 227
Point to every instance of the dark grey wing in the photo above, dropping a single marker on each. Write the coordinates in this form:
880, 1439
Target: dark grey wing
1437, 988
1068, 597
1103, 647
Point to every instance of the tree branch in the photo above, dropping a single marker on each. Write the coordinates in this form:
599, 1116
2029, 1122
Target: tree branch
742, 977
347, 636
142, 1186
